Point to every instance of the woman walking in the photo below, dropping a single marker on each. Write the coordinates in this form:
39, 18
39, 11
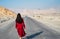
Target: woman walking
20, 26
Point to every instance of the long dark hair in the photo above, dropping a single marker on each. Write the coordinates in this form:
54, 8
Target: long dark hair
19, 18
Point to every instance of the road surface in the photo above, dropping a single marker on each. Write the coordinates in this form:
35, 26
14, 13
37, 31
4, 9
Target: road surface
34, 30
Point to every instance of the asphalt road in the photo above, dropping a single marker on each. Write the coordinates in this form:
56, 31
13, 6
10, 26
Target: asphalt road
33, 29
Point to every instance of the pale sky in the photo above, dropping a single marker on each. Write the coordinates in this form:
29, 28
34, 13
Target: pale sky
30, 4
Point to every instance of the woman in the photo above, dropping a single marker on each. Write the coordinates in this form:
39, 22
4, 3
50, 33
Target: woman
20, 26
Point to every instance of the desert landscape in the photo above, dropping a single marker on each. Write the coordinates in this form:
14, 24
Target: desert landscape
36, 21
49, 17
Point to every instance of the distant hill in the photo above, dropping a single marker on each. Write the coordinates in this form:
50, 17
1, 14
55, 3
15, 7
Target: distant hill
50, 11
6, 14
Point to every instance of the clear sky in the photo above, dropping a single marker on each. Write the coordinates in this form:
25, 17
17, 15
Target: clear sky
30, 4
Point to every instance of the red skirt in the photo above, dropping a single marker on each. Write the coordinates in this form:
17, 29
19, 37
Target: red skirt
21, 32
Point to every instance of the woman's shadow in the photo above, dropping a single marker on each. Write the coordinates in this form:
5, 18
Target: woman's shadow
34, 35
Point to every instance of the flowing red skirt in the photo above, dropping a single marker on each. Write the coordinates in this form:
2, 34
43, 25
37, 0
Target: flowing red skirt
21, 32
